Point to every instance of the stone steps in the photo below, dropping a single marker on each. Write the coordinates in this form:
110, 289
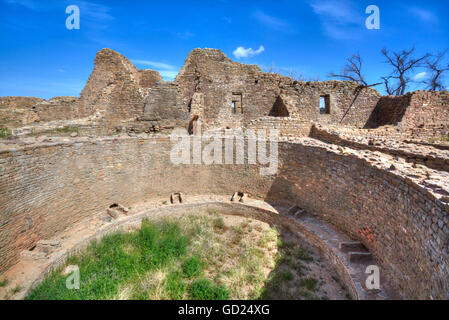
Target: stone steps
356, 252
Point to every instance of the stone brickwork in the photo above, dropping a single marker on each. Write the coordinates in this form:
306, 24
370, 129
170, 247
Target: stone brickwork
288, 127
116, 89
22, 111
219, 80
210, 84
48, 187
393, 196
414, 153
418, 114
58, 108
18, 111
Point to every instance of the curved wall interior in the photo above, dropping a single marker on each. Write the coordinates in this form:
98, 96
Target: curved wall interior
45, 189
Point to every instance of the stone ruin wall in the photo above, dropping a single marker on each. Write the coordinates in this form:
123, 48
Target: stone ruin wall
219, 81
116, 89
418, 113
114, 92
22, 111
125, 98
47, 188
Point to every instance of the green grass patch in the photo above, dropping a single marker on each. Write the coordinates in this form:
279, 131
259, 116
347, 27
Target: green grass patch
286, 275
309, 283
15, 290
105, 266
204, 289
186, 258
5, 133
3, 282
175, 285
219, 223
192, 267
67, 130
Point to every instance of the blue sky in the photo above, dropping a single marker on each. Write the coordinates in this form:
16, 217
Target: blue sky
40, 57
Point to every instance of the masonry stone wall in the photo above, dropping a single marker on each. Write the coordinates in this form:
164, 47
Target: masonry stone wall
116, 89
58, 108
221, 81
419, 113
401, 222
17, 111
288, 127
21, 111
209, 84
423, 154
48, 187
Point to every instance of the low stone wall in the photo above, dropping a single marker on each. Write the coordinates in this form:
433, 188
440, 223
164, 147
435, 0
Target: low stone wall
419, 113
76, 240
288, 127
17, 111
427, 155
400, 215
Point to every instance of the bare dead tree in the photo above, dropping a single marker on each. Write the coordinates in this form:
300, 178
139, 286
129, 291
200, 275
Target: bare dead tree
403, 64
352, 71
437, 70
271, 68
295, 76
389, 88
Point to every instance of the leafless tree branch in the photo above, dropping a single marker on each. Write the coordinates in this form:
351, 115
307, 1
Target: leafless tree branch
352, 71
403, 63
437, 70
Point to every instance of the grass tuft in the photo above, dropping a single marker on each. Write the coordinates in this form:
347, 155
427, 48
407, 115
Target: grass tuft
5, 133
3, 283
204, 289
175, 286
192, 267
309, 283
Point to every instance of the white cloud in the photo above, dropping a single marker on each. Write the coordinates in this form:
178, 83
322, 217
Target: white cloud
340, 12
420, 75
26, 3
424, 15
185, 35
168, 75
167, 71
271, 21
241, 52
340, 19
154, 64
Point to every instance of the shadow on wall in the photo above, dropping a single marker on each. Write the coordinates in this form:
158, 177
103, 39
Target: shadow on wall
389, 110
279, 109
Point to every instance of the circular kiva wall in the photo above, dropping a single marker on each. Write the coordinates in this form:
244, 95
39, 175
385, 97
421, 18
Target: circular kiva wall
46, 188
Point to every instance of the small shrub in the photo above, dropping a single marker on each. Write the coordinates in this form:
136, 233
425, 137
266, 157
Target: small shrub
309, 283
286, 275
175, 285
219, 224
3, 283
16, 289
67, 130
303, 254
204, 289
213, 212
4, 133
192, 267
